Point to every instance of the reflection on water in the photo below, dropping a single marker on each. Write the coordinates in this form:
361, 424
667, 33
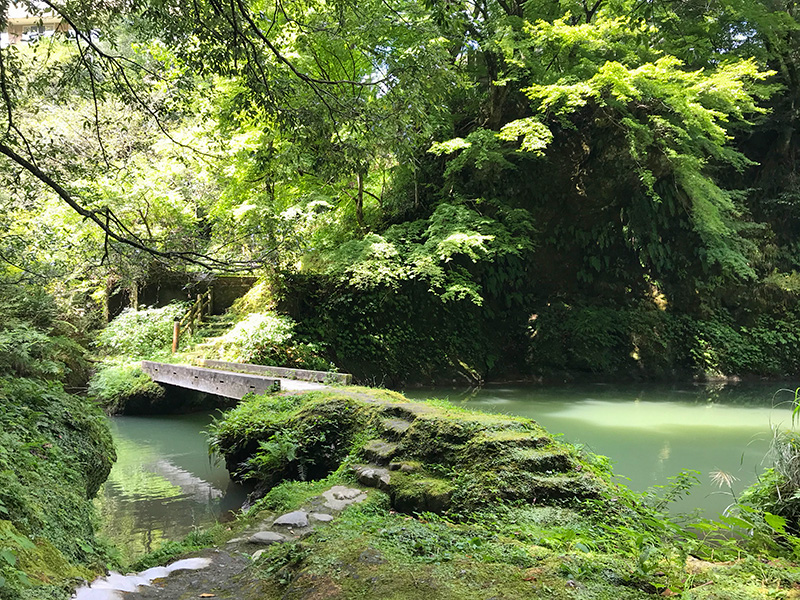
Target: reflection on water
652, 432
163, 484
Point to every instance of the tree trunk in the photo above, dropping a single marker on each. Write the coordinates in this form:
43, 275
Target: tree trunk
360, 201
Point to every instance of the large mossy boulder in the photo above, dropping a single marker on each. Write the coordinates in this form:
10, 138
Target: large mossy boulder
428, 456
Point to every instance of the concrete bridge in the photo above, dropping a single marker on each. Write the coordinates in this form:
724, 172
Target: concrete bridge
234, 380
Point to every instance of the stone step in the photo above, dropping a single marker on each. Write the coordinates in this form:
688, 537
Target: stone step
213, 330
203, 345
538, 488
380, 451
412, 494
395, 428
372, 476
541, 460
406, 410
409, 492
494, 443
220, 318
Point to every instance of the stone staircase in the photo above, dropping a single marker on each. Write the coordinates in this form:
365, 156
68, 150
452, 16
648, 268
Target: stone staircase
210, 329
215, 325
418, 451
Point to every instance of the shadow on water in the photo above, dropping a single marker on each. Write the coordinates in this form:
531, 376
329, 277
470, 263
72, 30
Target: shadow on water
164, 484
651, 432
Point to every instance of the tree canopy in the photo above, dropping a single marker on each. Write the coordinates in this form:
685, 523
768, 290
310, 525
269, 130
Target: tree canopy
478, 161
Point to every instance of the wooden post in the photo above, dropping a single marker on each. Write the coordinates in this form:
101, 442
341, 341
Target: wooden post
176, 334
210, 301
199, 309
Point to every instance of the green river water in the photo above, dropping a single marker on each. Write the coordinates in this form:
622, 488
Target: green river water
164, 485
652, 432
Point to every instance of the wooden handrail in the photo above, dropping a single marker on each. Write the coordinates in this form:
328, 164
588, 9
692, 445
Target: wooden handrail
202, 305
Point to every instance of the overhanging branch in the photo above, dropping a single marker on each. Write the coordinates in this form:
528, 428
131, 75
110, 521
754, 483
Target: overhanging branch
115, 230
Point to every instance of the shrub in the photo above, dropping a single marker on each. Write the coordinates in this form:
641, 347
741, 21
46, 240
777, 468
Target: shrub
30, 345
268, 339
114, 384
778, 489
140, 333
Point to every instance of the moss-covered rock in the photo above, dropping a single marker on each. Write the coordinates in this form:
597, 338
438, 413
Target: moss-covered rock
442, 457
416, 492
469, 507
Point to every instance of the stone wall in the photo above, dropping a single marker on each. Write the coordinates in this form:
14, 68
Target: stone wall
181, 287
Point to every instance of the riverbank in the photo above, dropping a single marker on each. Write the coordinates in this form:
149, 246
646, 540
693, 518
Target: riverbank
55, 452
465, 505
369, 551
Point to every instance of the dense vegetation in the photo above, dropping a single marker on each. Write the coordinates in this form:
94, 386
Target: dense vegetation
472, 188
488, 187
55, 451
500, 507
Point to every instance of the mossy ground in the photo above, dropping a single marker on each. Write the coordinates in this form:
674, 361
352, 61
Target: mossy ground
526, 517
372, 552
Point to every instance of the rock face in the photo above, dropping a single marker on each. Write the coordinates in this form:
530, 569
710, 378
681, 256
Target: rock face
425, 457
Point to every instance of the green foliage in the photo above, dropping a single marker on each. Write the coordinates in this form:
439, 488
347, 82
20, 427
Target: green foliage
113, 384
261, 298
438, 251
271, 438
140, 334
274, 453
269, 339
503, 155
617, 540
55, 451
778, 488
388, 336
32, 343
132, 336
651, 341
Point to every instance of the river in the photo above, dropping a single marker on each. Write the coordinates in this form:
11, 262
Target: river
652, 432
163, 484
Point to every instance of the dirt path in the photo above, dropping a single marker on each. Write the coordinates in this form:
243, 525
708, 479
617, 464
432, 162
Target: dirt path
223, 578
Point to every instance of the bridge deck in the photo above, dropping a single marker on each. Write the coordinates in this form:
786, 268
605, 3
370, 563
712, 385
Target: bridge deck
282, 373
219, 382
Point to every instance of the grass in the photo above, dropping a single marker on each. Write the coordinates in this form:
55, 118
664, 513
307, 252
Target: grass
372, 552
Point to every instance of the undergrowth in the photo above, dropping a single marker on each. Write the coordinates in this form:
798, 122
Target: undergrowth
267, 338
55, 451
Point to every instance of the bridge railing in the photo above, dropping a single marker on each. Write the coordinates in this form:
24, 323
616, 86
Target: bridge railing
193, 317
